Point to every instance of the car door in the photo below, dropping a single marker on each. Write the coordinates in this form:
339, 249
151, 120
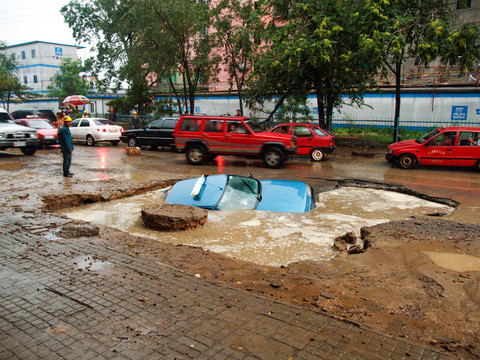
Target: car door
439, 150
165, 135
213, 135
84, 128
74, 128
467, 152
305, 139
239, 139
150, 134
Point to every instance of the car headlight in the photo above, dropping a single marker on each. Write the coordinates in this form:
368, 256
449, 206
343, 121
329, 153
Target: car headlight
389, 151
2, 136
34, 135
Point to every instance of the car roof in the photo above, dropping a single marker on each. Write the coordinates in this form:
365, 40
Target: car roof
237, 118
459, 128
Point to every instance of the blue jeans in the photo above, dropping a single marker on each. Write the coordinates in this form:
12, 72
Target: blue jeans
67, 161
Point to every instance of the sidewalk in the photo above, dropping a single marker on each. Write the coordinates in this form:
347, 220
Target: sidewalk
117, 306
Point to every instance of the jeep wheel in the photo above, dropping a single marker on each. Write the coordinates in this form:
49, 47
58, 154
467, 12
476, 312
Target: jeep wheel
28, 150
273, 158
132, 141
90, 140
196, 155
317, 155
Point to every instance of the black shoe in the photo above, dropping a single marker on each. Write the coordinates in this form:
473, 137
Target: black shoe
68, 175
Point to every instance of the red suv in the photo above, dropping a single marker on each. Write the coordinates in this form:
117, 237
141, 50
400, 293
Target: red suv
312, 140
451, 146
204, 137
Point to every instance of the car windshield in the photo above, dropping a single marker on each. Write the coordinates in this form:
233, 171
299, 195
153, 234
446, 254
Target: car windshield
102, 122
240, 193
40, 124
428, 136
255, 127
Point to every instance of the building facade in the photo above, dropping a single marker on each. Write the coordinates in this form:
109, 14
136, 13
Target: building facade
39, 61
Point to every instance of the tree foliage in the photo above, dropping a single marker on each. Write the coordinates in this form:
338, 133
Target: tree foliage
68, 80
146, 39
11, 89
236, 22
332, 48
426, 30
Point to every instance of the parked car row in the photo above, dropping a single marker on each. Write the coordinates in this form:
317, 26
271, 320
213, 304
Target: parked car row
203, 138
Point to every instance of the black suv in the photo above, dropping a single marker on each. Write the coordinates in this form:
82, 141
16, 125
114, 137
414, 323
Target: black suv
42, 114
158, 133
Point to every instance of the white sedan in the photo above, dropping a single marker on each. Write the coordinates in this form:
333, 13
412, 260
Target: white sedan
93, 130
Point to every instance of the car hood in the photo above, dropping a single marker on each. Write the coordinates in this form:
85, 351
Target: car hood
285, 196
402, 144
14, 127
47, 132
274, 136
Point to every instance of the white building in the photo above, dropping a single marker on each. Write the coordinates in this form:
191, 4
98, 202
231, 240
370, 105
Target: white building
39, 61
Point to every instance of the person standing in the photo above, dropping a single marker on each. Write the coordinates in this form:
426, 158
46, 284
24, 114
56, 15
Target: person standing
135, 121
66, 145
112, 116
85, 114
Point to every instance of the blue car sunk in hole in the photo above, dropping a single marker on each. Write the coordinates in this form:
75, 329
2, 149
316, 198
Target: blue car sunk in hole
234, 192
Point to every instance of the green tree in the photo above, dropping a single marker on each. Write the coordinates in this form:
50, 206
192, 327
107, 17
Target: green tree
426, 30
332, 48
68, 80
149, 38
11, 90
235, 21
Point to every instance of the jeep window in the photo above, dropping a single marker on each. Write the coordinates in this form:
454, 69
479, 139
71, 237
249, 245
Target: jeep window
191, 125
428, 136
255, 127
215, 126
236, 127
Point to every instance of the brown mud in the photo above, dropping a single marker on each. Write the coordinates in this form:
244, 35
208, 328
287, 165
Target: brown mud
392, 287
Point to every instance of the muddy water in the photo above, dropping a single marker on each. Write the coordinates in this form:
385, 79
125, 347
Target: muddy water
455, 262
268, 238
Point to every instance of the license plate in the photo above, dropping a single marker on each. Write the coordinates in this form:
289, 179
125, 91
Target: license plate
19, 143
113, 130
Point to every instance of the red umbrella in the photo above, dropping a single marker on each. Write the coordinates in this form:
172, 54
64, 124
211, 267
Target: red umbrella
76, 100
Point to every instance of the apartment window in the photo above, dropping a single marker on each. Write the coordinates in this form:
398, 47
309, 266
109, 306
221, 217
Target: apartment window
35, 79
33, 53
23, 54
25, 80
13, 57
464, 4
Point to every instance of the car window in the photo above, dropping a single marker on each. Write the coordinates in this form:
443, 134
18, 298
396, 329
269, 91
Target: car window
255, 127
100, 122
23, 123
4, 116
215, 126
301, 131
427, 137
281, 129
318, 131
85, 123
469, 138
157, 124
443, 139
168, 124
75, 123
191, 125
240, 193
40, 124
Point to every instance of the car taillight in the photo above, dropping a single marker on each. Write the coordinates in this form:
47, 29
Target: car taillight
102, 130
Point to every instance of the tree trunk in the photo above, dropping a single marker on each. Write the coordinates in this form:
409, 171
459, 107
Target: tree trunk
179, 102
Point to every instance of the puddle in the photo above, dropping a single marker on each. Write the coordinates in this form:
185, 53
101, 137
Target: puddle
88, 262
455, 262
268, 238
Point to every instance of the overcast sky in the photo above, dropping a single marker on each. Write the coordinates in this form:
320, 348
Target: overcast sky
23, 21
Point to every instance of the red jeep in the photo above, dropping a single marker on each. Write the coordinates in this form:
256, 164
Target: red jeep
450, 146
202, 138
